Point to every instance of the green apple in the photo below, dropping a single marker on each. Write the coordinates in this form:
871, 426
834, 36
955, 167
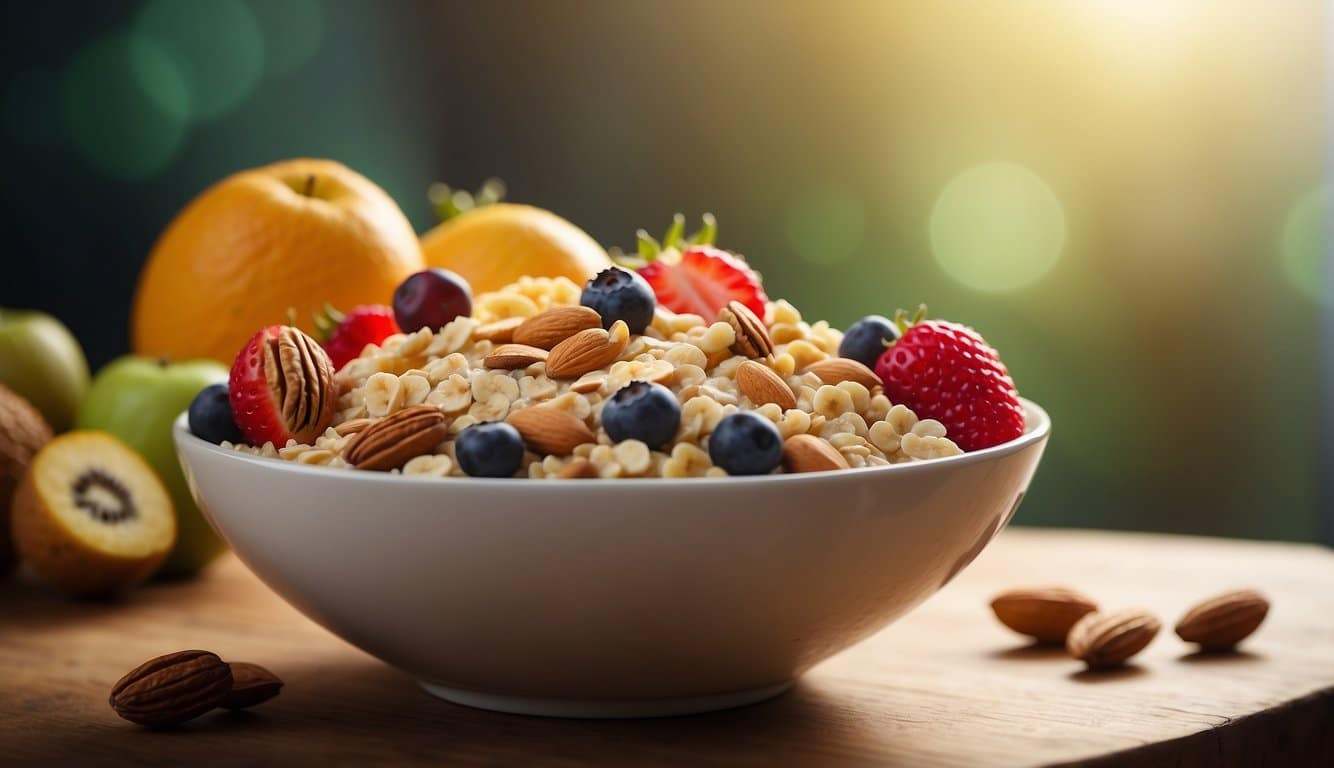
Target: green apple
137, 399
43, 363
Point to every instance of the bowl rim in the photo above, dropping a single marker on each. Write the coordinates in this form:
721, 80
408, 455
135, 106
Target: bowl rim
1037, 428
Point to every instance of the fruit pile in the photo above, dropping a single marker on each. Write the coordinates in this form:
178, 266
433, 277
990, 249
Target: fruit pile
505, 342
674, 363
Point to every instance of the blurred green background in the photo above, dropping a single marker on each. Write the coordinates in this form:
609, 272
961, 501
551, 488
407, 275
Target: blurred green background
1125, 196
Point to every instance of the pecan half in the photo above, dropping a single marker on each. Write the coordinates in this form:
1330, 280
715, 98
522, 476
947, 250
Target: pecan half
172, 689
300, 378
390, 442
752, 338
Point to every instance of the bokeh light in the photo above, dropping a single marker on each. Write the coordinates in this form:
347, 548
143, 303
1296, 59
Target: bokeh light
215, 44
292, 31
1303, 243
997, 227
110, 116
826, 224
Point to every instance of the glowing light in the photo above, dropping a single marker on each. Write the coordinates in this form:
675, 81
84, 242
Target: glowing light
1303, 243
216, 46
826, 224
292, 32
997, 227
111, 118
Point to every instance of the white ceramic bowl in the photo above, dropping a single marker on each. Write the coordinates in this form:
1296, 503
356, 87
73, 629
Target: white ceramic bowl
609, 598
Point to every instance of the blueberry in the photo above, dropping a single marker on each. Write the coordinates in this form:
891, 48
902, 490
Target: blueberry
210, 416
746, 443
489, 449
620, 294
865, 340
642, 411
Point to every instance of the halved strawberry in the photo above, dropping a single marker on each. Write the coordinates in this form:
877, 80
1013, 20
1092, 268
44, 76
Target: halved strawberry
263, 406
701, 280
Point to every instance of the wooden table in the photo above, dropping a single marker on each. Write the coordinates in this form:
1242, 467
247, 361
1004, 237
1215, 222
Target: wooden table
946, 686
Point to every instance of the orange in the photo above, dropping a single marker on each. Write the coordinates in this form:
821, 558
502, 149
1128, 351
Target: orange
296, 234
494, 245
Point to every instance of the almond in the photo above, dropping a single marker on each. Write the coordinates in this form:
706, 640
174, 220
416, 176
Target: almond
551, 430
834, 370
1221, 622
390, 442
498, 331
808, 453
581, 469
251, 685
511, 356
549, 328
1104, 640
588, 350
1044, 613
752, 338
759, 382
172, 689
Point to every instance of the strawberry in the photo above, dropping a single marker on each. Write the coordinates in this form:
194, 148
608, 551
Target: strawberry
345, 335
256, 390
946, 371
701, 280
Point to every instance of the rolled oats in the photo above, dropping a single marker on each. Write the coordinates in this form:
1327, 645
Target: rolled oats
690, 355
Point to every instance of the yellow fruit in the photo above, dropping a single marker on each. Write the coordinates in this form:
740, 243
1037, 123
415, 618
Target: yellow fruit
494, 245
296, 234
90, 516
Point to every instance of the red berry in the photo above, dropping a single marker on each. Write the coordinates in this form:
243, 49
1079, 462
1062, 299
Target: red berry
703, 280
257, 385
431, 299
367, 324
946, 371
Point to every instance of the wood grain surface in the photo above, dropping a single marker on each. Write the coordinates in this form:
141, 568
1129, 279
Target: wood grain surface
945, 686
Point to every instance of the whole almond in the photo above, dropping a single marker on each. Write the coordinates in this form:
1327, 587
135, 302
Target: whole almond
581, 469
551, 430
752, 338
808, 453
1221, 622
833, 370
1105, 640
759, 382
511, 356
588, 350
390, 442
251, 685
300, 375
172, 689
498, 331
1044, 613
549, 328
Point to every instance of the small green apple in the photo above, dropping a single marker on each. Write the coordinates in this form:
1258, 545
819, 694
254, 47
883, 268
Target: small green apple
137, 399
41, 361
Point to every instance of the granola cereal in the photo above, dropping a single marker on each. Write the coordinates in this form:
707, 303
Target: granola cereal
692, 356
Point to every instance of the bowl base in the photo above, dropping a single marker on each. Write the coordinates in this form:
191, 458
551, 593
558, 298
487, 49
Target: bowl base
604, 708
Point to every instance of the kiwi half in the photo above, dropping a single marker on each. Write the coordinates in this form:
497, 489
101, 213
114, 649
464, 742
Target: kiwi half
90, 516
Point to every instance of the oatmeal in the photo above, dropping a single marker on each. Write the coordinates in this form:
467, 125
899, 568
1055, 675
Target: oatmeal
472, 372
